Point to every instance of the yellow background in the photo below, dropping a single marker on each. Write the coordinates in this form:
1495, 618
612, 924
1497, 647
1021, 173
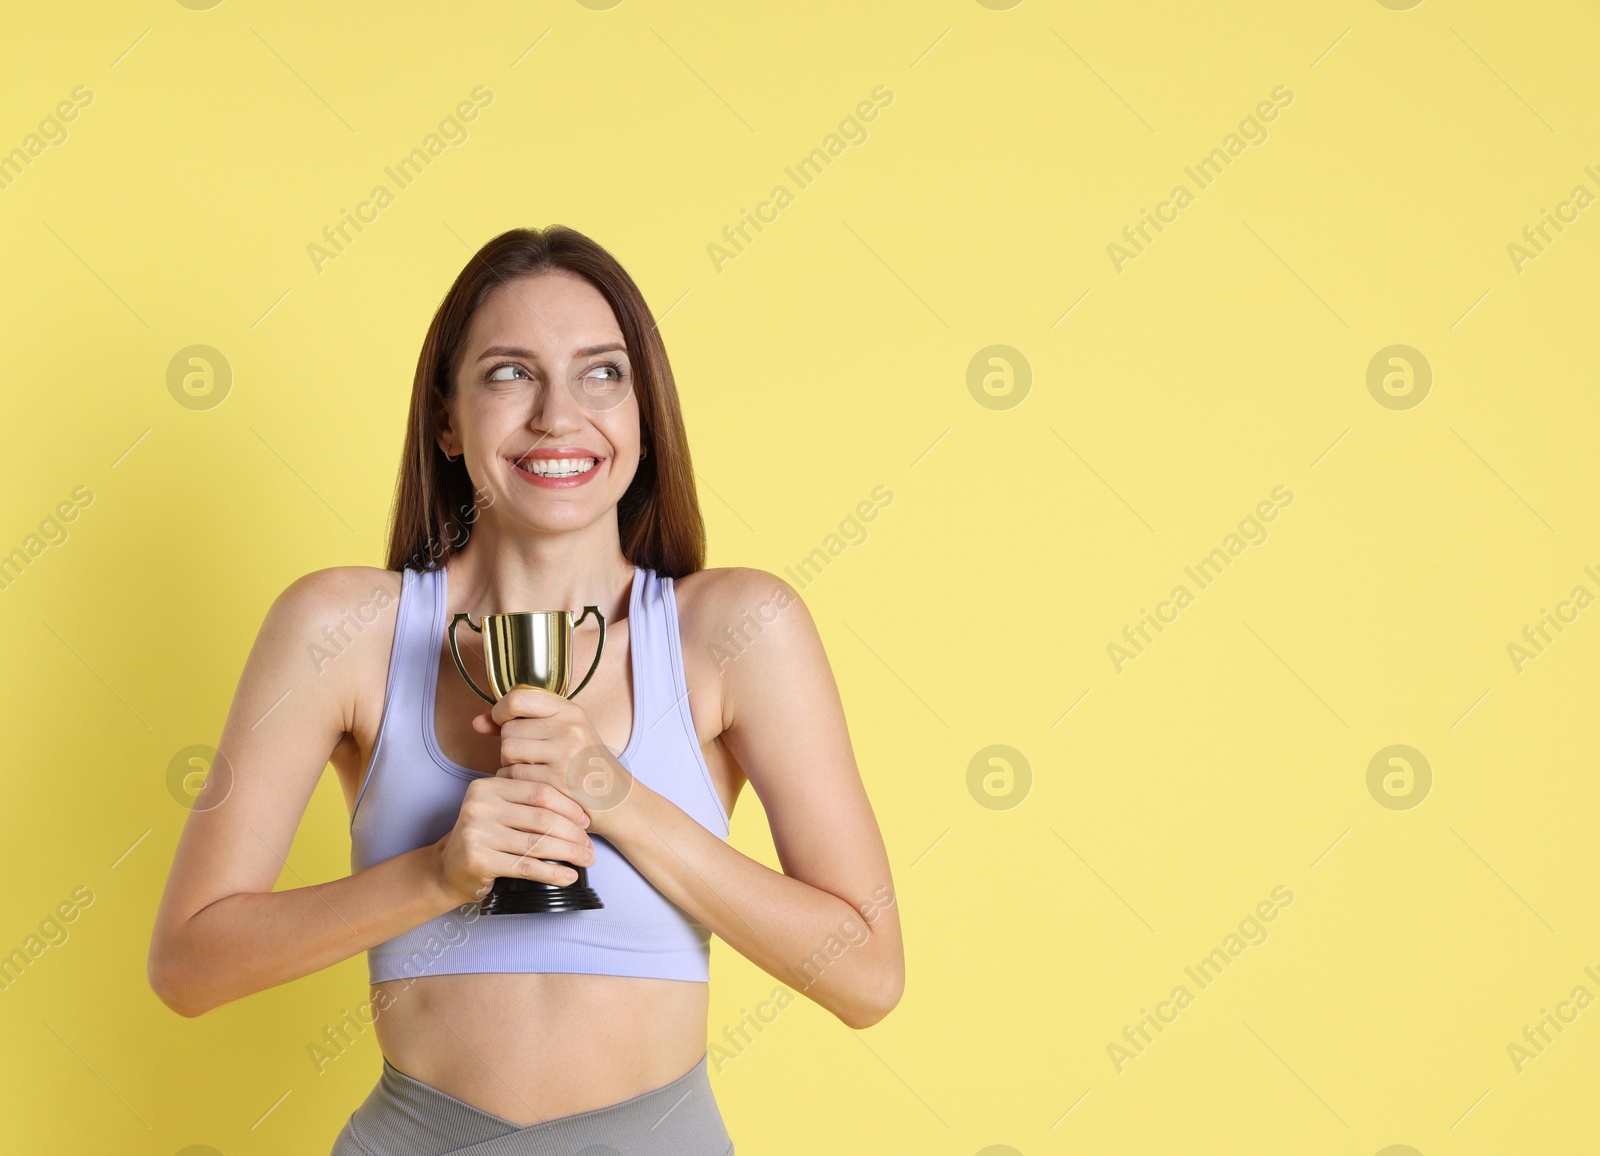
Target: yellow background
831, 357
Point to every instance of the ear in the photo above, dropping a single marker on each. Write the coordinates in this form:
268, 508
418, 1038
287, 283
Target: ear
446, 437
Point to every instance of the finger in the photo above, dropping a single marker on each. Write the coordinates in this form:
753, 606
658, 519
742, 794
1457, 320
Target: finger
530, 728
544, 795
484, 724
530, 771
519, 784
526, 702
528, 867
537, 845
556, 820
530, 749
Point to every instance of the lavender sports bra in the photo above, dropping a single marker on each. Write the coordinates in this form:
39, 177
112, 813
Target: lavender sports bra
412, 794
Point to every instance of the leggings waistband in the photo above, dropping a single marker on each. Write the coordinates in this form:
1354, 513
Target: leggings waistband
402, 1116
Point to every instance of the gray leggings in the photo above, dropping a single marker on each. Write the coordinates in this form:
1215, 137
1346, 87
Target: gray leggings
403, 1116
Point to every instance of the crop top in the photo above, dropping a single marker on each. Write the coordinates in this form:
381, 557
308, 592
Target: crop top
411, 795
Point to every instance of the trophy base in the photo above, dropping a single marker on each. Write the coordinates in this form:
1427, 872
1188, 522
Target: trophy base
510, 896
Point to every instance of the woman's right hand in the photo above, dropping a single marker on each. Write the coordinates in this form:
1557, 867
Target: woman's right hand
507, 828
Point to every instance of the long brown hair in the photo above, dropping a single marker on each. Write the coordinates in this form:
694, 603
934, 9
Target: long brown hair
435, 504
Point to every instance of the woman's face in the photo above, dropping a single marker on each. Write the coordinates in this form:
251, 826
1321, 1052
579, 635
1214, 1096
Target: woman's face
544, 411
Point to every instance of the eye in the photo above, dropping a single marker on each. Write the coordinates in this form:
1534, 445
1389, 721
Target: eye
596, 384
494, 374
602, 386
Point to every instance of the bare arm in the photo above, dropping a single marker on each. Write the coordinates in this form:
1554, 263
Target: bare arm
827, 924
844, 953
222, 932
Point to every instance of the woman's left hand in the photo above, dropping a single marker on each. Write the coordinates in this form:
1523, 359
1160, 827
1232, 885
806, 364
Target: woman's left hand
547, 738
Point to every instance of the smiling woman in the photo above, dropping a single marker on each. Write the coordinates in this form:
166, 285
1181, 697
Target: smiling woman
545, 466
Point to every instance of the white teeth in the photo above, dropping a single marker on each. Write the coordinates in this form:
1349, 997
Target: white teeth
558, 467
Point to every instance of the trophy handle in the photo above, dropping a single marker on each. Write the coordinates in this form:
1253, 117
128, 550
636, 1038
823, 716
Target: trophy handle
456, 654
598, 646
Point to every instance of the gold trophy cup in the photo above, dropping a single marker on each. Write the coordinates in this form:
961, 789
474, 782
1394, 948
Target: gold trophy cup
532, 649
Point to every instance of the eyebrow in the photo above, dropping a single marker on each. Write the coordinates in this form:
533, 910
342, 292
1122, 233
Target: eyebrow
516, 351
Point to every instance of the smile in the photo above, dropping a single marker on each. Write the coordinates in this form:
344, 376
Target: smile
557, 472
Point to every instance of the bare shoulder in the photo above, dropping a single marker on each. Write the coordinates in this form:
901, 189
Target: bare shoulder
341, 581
330, 630
356, 595
319, 615
753, 631
712, 601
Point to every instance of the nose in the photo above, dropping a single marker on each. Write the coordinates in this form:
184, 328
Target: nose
556, 411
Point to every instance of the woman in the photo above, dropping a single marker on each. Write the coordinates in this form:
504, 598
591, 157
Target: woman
545, 466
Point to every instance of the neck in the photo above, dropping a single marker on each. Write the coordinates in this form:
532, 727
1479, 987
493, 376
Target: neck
502, 573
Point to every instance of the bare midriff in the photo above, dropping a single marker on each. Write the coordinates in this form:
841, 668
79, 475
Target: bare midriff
532, 1047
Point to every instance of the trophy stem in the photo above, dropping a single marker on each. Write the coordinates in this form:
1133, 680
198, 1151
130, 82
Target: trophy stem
512, 896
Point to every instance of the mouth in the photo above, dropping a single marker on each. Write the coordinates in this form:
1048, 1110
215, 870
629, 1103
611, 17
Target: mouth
556, 469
